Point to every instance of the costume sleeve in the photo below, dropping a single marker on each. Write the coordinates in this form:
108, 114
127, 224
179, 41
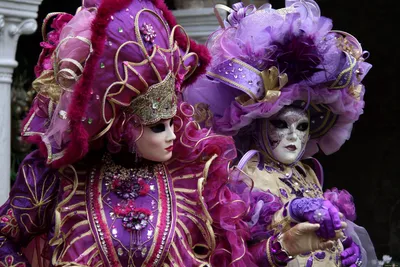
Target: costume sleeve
264, 187
262, 253
28, 211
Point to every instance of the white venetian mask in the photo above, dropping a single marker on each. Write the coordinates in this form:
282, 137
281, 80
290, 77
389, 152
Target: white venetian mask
288, 133
156, 142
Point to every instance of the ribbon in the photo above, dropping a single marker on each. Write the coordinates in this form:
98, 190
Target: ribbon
273, 83
240, 12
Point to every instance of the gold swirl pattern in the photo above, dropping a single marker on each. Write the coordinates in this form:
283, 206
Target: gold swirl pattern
158, 100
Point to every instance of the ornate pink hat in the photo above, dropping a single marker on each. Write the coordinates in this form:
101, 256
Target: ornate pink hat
112, 56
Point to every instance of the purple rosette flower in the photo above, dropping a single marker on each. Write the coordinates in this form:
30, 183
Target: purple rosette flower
263, 207
343, 200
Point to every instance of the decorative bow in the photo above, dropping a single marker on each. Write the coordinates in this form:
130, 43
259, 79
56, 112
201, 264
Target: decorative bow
239, 12
273, 83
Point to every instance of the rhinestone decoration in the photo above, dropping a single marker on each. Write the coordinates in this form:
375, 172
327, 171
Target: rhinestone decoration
129, 184
147, 30
96, 221
130, 189
132, 218
62, 114
168, 224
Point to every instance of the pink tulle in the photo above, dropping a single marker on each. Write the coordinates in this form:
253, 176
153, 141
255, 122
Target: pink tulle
192, 149
74, 45
45, 61
343, 201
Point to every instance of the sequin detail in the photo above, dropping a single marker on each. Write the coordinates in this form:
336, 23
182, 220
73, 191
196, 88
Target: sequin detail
147, 30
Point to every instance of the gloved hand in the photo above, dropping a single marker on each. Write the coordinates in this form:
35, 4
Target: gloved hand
351, 256
317, 210
302, 238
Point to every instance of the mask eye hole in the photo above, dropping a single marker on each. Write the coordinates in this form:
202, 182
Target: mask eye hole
280, 124
158, 128
302, 126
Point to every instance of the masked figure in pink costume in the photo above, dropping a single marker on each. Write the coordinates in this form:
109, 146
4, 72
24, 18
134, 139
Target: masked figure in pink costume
123, 175
286, 85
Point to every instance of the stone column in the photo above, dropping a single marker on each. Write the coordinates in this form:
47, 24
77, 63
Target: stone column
197, 17
17, 17
257, 3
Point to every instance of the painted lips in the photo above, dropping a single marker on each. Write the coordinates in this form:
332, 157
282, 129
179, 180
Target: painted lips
291, 147
170, 148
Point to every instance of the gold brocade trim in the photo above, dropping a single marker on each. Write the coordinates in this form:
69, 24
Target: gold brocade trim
58, 238
158, 103
199, 256
187, 176
238, 85
187, 232
25, 131
70, 264
200, 187
348, 43
184, 199
110, 122
106, 231
189, 248
345, 71
97, 253
203, 114
139, 37
68, 75
73, 213
187, 55
75, 226
209, 235
207, 167
69, 187
191, 211
268, 252
168, 199
171, 260
184, 190
158, 108
173, 245
37, 200
75, 240
247, 66
47, 86
355, 91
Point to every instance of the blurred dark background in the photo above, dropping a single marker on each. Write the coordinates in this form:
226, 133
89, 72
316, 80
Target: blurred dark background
365, 165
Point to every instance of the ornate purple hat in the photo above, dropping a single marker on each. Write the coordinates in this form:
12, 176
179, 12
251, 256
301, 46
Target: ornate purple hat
265, 59
113, 56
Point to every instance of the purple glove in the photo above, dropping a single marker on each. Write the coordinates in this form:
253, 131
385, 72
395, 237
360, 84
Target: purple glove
351, 256
317, 210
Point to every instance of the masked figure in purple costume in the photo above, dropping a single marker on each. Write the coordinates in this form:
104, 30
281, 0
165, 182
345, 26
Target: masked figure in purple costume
286, 85
123, 175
